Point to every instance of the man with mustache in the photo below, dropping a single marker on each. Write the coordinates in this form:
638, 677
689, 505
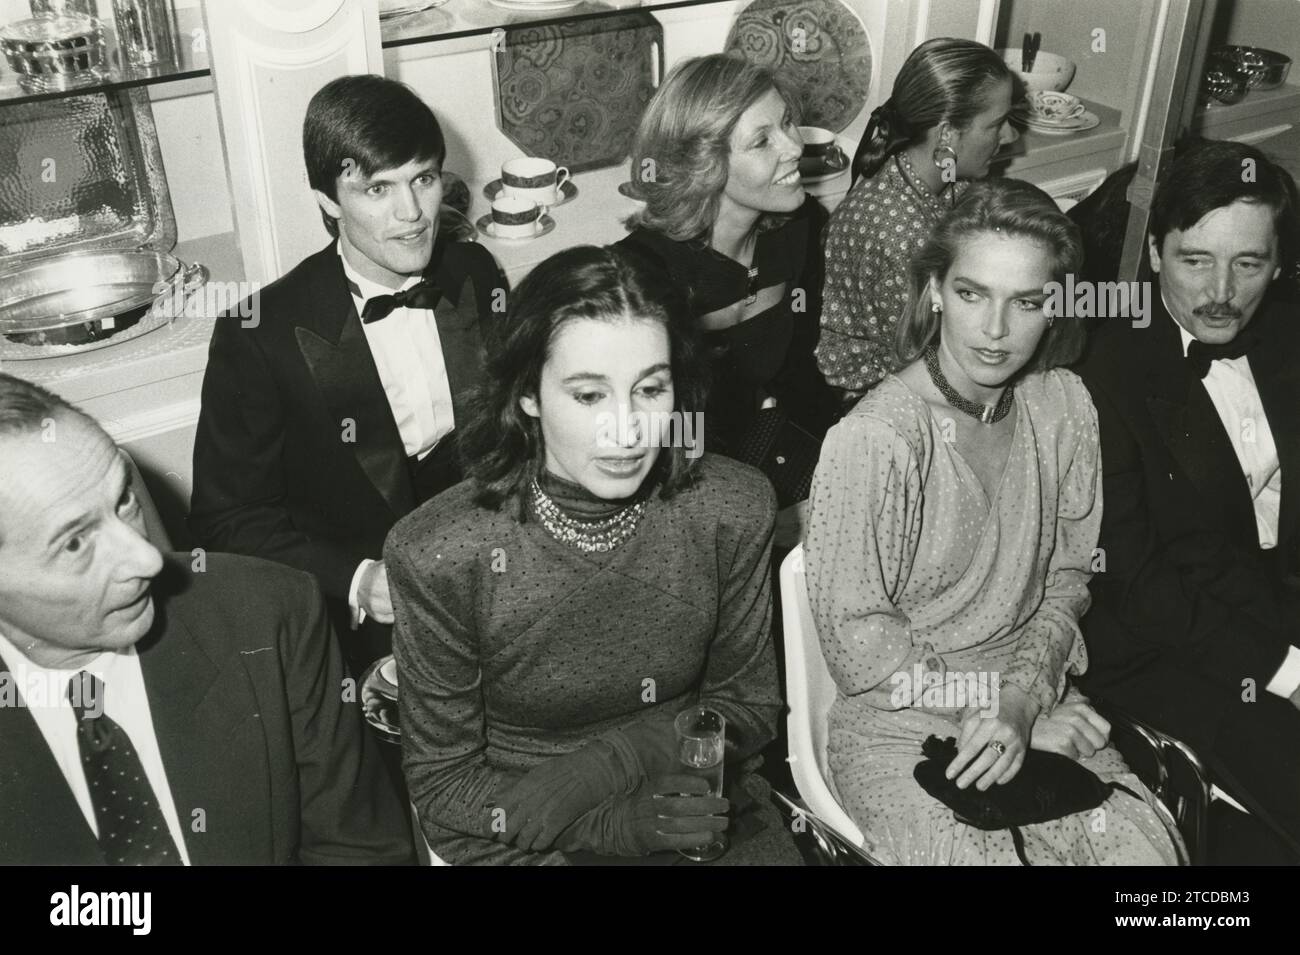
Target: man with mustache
335, 414
155, 710
1195, 624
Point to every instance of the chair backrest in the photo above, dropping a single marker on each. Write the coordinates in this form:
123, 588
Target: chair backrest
810, 693
424, 854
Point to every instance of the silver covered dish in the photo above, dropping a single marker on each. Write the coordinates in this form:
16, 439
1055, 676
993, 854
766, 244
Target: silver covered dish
91, 298
86, 250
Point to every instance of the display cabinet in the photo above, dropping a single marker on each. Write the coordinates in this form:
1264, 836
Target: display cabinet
229, 114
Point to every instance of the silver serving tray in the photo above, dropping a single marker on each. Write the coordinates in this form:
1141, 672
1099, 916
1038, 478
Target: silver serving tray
91, 298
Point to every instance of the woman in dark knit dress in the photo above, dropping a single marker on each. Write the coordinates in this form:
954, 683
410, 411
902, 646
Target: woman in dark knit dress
716, 159
586, 584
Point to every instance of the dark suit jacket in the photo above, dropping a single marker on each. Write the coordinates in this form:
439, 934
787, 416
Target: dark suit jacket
245, 690
1186, 591
274, 473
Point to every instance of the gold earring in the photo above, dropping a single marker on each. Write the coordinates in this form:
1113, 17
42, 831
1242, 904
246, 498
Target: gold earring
941, 160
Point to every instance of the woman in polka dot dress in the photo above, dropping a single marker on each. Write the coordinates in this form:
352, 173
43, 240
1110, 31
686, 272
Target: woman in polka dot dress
946, 118
953, 522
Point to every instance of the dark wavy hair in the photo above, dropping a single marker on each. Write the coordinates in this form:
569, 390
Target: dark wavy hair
369, 121
1212, 174
1011, 207
501, 448
943, 78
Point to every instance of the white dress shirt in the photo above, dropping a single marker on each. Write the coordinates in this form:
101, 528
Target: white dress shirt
1232, 389
408, 354
125, 702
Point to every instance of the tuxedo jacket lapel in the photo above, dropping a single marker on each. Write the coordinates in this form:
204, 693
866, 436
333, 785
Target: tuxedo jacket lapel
1191, 428
337, 354
33, 793
458, 333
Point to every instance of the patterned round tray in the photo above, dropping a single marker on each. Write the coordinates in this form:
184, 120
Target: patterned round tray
821, 46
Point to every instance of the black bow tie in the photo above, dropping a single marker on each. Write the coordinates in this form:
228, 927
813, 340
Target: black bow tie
1201, 355
423, 294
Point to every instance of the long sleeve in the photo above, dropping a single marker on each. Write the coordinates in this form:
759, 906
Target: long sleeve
239, 481
865, 296
864, 524
740, 678
444, 741
1050, 645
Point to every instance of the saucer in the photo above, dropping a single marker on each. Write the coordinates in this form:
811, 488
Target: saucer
824, 171
543, 5
395, 10
1077, 125
488, 228
567, 191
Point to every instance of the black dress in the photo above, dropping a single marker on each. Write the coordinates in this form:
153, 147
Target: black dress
771, 354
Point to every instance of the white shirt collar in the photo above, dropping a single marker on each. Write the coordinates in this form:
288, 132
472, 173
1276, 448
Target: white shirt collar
101, 666
368, 288
1186, 336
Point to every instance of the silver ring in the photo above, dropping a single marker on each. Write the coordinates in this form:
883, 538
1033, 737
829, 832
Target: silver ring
998, 747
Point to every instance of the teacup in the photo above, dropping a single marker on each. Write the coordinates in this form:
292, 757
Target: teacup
1056, 107
514, 217
531, 177
820, 151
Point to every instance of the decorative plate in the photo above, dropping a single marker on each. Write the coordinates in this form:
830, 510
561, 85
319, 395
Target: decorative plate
820, 45
574, 91
1088, 120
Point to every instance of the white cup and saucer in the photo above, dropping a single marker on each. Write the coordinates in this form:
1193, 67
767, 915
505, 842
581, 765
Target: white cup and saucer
515, 219
535, 178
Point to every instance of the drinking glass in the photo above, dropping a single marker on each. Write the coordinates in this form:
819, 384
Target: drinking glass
701, 745
146, 31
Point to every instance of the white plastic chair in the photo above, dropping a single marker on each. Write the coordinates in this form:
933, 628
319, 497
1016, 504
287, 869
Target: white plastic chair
810, 691
423, 854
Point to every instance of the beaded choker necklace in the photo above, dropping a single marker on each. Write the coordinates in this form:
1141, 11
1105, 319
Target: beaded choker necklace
988, 414
590, 537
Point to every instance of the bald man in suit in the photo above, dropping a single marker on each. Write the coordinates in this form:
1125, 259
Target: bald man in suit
155, 711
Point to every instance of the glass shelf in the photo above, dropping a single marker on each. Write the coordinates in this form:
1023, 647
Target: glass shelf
190, 63
461, 18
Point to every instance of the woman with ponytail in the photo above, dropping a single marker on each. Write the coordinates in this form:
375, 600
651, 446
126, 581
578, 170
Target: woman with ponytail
942, 124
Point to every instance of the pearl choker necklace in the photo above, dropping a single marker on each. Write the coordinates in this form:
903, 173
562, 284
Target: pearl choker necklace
590, 537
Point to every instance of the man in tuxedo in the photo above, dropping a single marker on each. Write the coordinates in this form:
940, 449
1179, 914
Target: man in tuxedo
155, 711
1195, 622
334, 416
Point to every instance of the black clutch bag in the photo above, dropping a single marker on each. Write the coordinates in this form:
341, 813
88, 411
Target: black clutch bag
782, 450
1047, 787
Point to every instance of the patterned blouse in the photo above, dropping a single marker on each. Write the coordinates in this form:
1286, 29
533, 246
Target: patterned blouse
873, 234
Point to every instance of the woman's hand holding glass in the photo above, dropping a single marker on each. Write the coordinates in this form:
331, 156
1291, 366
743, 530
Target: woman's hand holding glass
992, 746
